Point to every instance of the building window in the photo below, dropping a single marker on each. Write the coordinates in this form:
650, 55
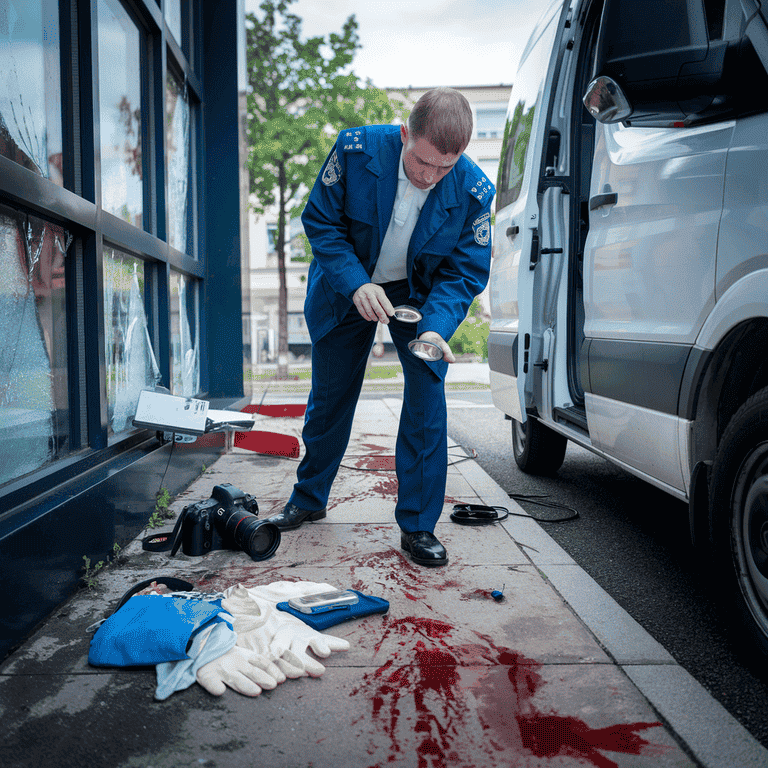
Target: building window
178, 158
185, 336
173, 18
30, 86
489, 123
120, 123
130, 361
34, 411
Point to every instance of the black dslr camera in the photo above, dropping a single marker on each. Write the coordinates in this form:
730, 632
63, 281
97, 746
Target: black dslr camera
228, 520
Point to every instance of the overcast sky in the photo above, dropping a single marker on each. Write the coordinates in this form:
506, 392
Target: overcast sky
427, 42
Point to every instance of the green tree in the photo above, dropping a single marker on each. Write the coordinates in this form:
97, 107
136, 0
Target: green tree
301, 94
472, 335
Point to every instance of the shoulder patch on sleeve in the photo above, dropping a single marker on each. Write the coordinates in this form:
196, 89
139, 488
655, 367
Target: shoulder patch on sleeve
481, 226
332, 172
352, 140
481, 189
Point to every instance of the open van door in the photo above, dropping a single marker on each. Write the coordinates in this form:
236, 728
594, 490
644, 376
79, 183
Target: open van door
515, 348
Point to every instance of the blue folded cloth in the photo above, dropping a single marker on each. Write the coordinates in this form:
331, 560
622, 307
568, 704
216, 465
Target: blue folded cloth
365, 606
150, 629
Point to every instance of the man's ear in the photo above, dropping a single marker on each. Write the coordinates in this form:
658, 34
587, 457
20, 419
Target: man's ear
404, 134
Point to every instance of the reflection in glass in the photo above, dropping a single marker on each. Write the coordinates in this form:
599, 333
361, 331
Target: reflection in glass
173, 18
178, 143
30, 86
34, 411
120, 113
131, 364
185, 336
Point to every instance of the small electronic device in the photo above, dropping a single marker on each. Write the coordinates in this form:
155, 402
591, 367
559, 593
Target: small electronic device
157, 410
185, 415
324, 601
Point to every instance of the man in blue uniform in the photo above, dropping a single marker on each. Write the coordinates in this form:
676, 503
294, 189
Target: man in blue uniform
397, 215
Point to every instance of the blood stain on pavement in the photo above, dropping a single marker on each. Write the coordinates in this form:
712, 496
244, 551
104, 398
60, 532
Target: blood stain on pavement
461, 712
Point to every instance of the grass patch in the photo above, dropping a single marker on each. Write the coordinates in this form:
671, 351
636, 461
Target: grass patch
384, 371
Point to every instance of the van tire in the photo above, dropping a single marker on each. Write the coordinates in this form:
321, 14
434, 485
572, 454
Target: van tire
739, 519
536, 448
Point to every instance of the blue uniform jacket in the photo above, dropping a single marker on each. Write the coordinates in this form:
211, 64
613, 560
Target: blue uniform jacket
347, 216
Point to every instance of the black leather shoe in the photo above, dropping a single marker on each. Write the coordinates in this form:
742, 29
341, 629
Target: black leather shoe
424, 548
292, 517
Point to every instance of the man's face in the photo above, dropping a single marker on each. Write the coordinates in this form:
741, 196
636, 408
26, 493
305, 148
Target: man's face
424, 165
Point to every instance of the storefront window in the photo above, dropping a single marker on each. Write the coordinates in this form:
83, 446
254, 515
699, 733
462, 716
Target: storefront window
185, 336
120, 113
130, 360
34, 411
173, 18
178, 143
30, 86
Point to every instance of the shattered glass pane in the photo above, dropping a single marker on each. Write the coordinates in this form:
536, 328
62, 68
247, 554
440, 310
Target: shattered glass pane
34, 401
178, 142
185, 336
130, 360
120, 113
30, 86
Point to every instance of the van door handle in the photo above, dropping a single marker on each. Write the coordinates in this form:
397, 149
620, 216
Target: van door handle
598, 201
512, 231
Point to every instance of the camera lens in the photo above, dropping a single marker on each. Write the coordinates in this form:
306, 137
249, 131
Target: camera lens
259, 538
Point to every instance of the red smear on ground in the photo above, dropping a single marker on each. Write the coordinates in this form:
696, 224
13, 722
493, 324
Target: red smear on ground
431, 676
376, 462
289, 410
271, 443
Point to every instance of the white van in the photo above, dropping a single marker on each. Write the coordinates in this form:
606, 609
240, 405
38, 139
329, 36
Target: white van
629, 283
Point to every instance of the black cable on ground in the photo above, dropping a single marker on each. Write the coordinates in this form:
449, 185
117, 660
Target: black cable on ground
534, 499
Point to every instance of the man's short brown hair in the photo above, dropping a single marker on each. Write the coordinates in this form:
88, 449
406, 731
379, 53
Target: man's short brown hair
443, 117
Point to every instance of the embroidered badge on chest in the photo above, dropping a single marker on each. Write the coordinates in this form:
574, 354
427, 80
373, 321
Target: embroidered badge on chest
482, 229
332, 172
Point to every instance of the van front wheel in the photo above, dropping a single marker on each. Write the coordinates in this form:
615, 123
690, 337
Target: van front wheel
739, 516
536, 448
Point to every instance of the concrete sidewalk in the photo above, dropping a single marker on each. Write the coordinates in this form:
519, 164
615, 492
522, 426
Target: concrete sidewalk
555, 674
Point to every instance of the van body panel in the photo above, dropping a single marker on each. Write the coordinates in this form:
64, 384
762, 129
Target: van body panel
641, 438
743, 242
651, 257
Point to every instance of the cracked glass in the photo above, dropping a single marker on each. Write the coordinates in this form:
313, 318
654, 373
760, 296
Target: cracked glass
178, 145
30, 86
131, 365
120, 123
34, 394
185, 336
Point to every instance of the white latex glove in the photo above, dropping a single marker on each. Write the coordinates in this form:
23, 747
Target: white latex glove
276, 635
234, 669
294, 639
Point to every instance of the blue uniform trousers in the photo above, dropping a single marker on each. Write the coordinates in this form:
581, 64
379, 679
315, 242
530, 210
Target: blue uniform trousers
421, 454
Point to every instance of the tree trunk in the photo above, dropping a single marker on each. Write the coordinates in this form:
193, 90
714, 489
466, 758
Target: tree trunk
282, 301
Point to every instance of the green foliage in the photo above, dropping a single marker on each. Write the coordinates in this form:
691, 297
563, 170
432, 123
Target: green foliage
91, 572
471, 336
161, 512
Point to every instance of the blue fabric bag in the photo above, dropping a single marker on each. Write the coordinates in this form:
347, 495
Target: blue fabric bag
150, 629
365, 606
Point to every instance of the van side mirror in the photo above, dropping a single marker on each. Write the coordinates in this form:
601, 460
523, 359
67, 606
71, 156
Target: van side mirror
654, 63
606, 102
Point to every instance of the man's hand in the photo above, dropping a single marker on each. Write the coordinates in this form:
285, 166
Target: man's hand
372, 303
436, 338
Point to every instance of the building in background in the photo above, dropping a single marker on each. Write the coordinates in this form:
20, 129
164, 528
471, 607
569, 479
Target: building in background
489, 110
122, 229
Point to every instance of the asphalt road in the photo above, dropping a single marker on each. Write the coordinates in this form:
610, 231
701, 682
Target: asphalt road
633, 540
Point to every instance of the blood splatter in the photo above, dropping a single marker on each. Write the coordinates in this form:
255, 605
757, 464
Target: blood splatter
290, 410
448, 699
381, 463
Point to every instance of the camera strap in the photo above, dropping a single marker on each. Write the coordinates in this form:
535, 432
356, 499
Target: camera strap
165, 540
